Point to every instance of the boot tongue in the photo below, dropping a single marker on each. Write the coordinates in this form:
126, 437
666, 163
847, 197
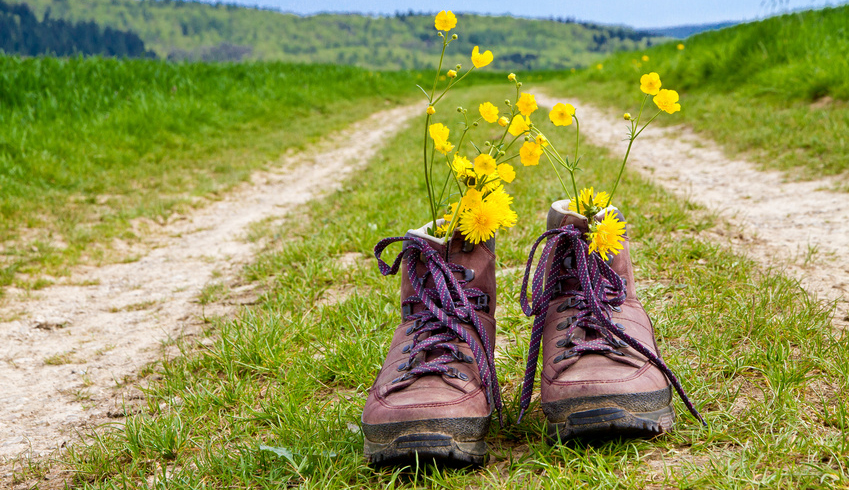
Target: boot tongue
560, 216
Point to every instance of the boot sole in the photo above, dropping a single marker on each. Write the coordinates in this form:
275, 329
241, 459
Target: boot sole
603, 417
449, 442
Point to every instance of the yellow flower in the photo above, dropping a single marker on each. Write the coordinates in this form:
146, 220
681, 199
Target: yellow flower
438, 131
431, 110
503, 122
445, 21
478, 224
484, 164
599, 66
527, 104
506, 172
680, 46
519, 125
645, 57
443, 146
511, 77
502, 201
442, 229
541, 141
461, 166
489, 112
588, 199
606, 236
529, 153
481, 59
452, 74
472, 199
561, 114
449, 213
627, 116
650, 83
667, 100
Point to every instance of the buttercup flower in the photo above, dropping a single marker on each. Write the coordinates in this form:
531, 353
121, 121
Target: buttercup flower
452, 74
445, 21
606, 235
529, 153
478, 224
503, 122
541, 141
599, 66
484, 164
667, 100
481, 59
489, 112
527, 104
519, 125
561, 114
511, 77
650, 83
438, 131
461, 166
506, 172
645, 57
587, 199
431, 110
680, 46
627, 116
443, 146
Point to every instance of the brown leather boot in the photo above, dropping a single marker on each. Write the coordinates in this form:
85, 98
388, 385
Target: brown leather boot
602, 374
434, 396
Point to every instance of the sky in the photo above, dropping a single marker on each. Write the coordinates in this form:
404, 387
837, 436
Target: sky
634, 13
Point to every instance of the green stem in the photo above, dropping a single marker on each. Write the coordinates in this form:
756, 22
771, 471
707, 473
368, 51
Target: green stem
426, 173
572, 172
628, 151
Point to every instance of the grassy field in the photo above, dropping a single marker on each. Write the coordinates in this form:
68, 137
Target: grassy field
275, 401
774, 90
87, 145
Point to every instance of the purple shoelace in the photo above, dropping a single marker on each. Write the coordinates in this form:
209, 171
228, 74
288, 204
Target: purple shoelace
448, 307
600, 289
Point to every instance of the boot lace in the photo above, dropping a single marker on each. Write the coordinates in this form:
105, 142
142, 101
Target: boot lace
448, 308
599, 289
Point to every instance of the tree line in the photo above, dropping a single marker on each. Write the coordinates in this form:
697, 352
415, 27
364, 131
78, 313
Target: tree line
23, 34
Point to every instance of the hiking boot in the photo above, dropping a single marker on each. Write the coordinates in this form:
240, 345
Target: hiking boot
602, 374
435, 393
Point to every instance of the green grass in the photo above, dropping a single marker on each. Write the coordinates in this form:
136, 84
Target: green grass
756, 353
774, 90
87, 145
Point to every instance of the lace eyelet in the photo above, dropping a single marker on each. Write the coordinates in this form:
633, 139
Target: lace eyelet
566, 323
469, 275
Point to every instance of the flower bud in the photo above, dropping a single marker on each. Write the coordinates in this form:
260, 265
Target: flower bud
460, 109
440, 34
511, 77
503, 122
627, 116
475, 124
487, 144
507, 102
458, 67
518, 84
452, 74
454, 36
431, 110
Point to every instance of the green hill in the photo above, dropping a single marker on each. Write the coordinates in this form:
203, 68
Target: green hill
193, 30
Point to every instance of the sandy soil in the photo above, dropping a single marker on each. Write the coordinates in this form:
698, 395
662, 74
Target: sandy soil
801, 228
69, 358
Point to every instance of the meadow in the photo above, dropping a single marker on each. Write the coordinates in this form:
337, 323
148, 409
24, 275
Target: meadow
274, 401
89, 144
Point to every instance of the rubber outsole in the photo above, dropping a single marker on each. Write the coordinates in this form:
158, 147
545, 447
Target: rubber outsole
609, 416
449, 442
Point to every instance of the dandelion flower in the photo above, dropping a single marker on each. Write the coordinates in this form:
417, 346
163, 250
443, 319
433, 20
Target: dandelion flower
489, 112
472, 199
650, 83
667, 100
506, 172
481, 59
606, 236
519, 125
478, 224
530, 153
587, 198
502, 201
561, 114
445, 21
484, 164
527, 104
